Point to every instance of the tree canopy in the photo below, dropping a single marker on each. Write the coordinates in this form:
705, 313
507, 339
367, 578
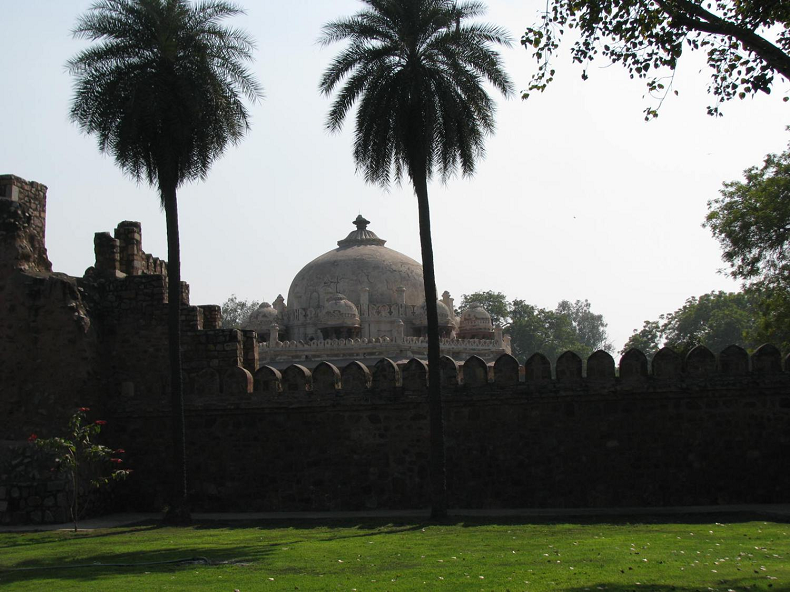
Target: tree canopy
751, 221
572, 326
715, 320
746, 42
235, 312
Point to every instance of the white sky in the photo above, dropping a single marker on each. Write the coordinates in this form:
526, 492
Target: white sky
577, 197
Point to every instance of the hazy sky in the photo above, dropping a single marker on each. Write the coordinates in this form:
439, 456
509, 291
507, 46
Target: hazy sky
577, 197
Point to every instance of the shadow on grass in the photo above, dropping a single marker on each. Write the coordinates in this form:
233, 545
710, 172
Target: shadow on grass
92, 567
604, 520
371, 526
48, 537
406, 524
644, 587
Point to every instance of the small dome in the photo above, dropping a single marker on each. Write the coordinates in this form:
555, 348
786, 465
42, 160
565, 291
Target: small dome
338, 311
261, 319
476, 320
445, 318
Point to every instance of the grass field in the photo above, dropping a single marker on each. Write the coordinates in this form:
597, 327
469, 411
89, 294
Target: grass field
682, 553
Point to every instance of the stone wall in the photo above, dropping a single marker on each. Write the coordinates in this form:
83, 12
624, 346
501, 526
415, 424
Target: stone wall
32, 492
29, 492
123, 253
703, 429
298, 440
23, 210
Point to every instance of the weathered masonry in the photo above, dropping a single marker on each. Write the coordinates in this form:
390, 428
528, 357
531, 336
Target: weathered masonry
707, 429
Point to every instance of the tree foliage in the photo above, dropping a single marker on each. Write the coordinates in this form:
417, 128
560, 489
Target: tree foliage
572, 326
751, 221
235, 312
746, 42
161, 88
83, 461
494, 303
415, 69
715, 320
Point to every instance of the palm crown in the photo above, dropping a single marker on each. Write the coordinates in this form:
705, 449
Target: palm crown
161, 90
417, 70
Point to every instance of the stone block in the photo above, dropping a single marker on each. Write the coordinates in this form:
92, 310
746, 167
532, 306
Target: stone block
475, 372
569, 366
236, 381
537, 368
506, 371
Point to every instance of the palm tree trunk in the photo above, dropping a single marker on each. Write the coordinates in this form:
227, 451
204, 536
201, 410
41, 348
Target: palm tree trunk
178, 511
437, 452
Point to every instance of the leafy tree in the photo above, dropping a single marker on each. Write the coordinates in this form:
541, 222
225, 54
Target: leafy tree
494, 303
773, 321
747, 42
161, 89
751, 221
83, 460
714, 320
571, 326
235, 312
649, 339
589, 328
415, 68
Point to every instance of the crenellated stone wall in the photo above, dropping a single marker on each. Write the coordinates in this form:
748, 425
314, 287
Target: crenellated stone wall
705, 429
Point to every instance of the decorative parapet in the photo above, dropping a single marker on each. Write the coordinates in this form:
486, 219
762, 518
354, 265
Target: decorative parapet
386, 379
364, 343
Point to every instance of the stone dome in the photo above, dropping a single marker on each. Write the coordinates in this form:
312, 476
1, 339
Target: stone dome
445, 318
261, 318
338, 311
360, 261
475, 321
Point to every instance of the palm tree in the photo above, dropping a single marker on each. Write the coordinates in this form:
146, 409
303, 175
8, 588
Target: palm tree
416, 71
161, 89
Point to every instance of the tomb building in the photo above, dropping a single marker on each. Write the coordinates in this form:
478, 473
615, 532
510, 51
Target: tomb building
365, 298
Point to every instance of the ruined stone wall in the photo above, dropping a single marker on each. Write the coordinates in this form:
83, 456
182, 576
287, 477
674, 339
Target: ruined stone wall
23, 209
358, 438
123, 253
49, 353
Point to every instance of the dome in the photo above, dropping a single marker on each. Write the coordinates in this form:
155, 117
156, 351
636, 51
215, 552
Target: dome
360, 261
445, 318
261, 319
339, 312
476, 321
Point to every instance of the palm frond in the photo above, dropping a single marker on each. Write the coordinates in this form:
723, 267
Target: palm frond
161, 86
417, 74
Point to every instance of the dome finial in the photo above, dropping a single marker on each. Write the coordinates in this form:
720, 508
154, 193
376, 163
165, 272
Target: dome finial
361, 223
361, 236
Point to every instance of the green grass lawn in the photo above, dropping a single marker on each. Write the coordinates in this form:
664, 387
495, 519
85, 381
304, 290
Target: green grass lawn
681, 553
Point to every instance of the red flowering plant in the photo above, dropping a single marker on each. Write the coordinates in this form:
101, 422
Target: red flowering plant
84, 462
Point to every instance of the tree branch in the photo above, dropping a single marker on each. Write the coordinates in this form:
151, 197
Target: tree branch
680, 11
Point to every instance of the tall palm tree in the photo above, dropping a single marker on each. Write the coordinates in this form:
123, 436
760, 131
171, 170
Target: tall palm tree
162, 90
417, 70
